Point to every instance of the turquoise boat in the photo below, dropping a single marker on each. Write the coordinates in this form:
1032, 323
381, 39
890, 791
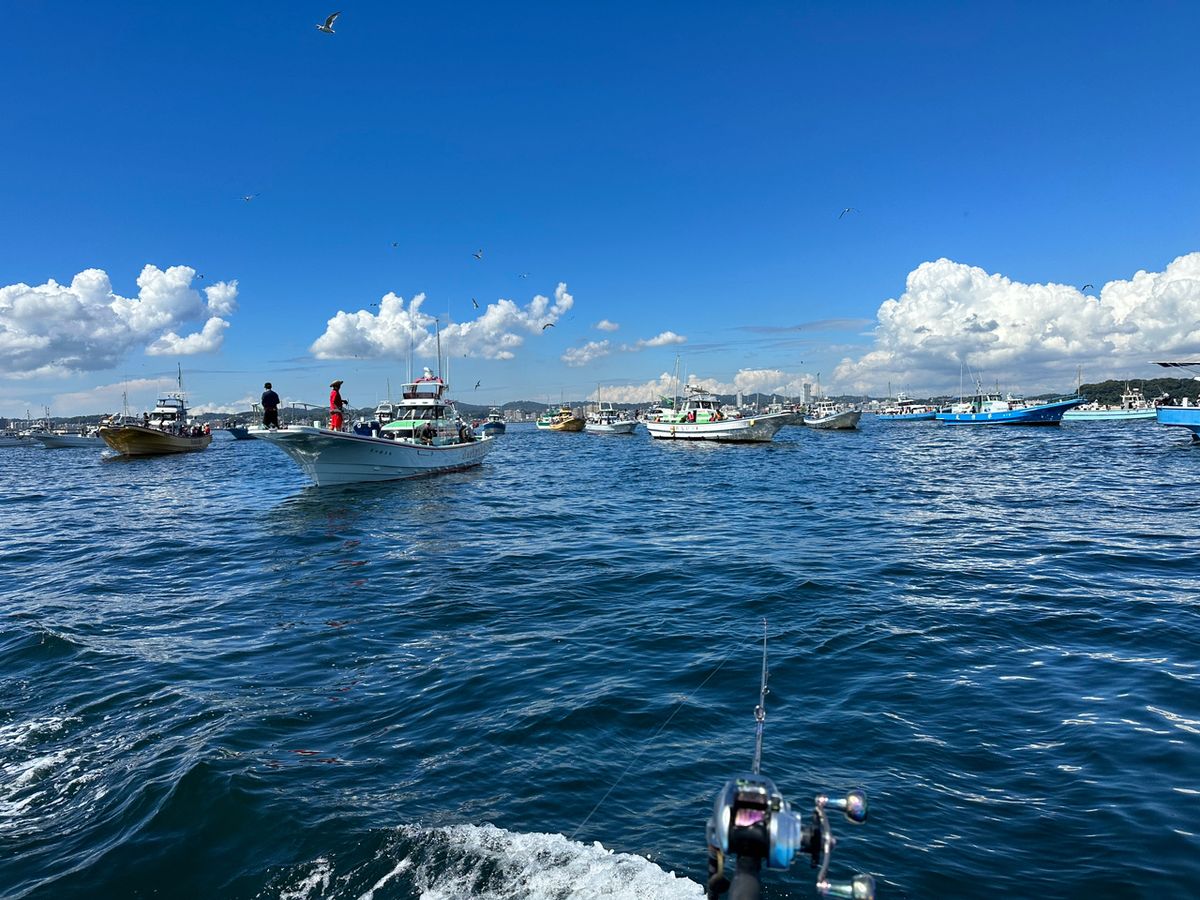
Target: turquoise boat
1134, 407
987, 409
1181, 417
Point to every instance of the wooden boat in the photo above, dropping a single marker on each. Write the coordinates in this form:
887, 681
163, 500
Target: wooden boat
165, 430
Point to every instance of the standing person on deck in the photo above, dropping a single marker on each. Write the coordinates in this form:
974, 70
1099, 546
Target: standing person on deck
270, 405
337, 403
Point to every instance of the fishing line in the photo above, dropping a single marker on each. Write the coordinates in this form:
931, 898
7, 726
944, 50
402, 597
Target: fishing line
652, 737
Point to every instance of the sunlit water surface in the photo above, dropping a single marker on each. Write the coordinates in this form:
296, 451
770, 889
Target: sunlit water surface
218, 680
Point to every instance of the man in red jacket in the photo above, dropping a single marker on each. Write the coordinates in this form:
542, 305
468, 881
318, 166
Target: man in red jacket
336, 404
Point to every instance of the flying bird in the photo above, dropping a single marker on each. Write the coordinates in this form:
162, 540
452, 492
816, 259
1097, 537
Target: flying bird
524, 274
248, 197
1086, 286
395, 243
475, 303
478, 254
328, 26
547, 325
848, 209
477, 384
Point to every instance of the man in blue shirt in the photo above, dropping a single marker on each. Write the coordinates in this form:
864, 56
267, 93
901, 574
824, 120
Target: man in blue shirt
270, 405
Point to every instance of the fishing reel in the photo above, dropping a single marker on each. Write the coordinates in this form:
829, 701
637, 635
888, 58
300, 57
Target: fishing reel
753, 821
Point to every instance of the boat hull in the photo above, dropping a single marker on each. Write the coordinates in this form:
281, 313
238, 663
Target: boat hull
569, 425
843, 421
1109, 415
15, 442
1042, 414
58, 441
907, 417
239, 432
754, 429
137, 440
492, 428
338, 457
611, 428
1181, 417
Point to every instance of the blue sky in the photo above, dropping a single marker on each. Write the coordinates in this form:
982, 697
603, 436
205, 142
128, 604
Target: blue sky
679, 167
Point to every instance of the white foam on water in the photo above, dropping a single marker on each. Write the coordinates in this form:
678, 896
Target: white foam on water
316, 880
502, 865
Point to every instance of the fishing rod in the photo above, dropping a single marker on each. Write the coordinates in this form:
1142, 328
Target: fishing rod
752, 821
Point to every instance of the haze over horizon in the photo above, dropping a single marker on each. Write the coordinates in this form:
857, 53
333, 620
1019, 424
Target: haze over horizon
859, 193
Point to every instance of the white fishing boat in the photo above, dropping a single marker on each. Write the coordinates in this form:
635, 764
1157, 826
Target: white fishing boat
1133, 407
700, 418
9, 438
425, 438
830, 415
88, 436
607, 420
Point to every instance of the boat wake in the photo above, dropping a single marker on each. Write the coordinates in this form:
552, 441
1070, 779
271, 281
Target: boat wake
483, 862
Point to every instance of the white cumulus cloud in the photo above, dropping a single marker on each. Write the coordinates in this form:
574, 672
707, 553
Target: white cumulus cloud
397, 326
605, 325
661, 340
748, 381
85, 326
1029, 335
581, 356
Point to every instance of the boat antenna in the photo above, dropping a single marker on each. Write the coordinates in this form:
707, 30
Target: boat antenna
760, 711
438, 335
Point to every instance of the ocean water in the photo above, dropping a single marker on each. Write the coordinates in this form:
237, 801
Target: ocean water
531, 679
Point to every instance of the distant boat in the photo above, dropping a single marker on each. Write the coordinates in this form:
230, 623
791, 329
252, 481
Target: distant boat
425, 438
494, 423
906, 410
562, 420
165, 430
828, 415
607, 420
14, 439
990, 409
1134, 407
701, 418
63, 438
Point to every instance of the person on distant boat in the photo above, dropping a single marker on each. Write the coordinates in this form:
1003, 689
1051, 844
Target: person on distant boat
337, 403
270, 405
145, 420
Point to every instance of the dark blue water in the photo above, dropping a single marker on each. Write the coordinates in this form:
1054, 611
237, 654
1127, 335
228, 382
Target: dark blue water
220, 681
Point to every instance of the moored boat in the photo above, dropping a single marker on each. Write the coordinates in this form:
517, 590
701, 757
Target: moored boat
829, 415
700, 418
1133, 407
88, 436
1183, 413
906, 410
607, 420
561, 420
10, 438
165, 430
494, 423
425, 438
990, 409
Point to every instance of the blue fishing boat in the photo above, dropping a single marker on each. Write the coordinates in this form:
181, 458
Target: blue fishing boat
494, 423
905, 410
988, 409
1181, 414
1181, 417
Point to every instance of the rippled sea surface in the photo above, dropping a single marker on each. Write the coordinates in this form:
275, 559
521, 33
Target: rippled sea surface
531, 679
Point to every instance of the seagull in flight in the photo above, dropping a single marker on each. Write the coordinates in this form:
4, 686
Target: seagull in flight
395, 243
1086, 286
475, 303
248, 197
547, 325
478, 254
848, 209
328, 26
524, 274
477, 384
